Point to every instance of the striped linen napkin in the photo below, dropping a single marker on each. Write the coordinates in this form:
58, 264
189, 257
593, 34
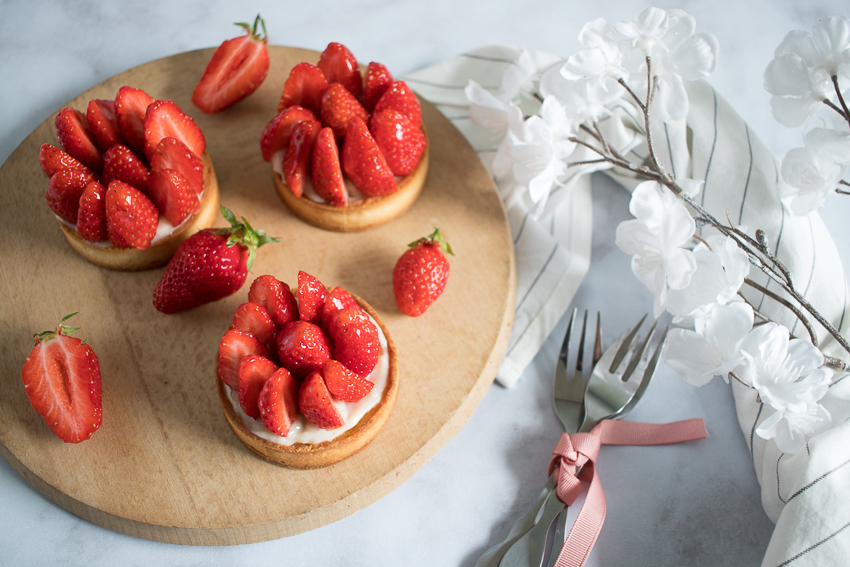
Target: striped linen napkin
803, 494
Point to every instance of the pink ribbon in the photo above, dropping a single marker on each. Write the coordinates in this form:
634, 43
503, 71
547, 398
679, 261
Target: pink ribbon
578, 452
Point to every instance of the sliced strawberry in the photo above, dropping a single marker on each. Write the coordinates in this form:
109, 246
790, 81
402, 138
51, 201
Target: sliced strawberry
276, 297
119, 162
398, 96
298, 159
304, 87
173, 195
253, 372
131, 104
278, 402
91, 218
338, 107
171, 153
131, 217
164, 119
340, 66
104, 123
234, 346
64, 190
364, 163
311, 298
400, 141
316, 404
77, 139
378, 79
52, 159
343, 384
326, 172
237, 68
302, 347
337, 300
253, 318
277, 133
356, 341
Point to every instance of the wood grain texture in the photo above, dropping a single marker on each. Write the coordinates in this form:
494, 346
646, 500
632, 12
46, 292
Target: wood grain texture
164, 465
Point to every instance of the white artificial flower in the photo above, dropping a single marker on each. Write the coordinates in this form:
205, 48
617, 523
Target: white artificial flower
535, 159
713, 348
831, 143
655, 239
807, 178
583, 100
518, 77
601, 60
791, 429
691, 187
560, 127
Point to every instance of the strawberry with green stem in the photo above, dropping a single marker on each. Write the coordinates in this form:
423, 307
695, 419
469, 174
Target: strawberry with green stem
420, 275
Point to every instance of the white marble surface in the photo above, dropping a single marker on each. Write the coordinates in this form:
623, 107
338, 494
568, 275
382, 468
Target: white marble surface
692, 504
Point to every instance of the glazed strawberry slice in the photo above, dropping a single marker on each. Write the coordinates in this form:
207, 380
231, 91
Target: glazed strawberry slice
171, 153
278, 131
131, 104
398, 96
343, 384
276, 297
64, 191
91, 217
298, 159
378, 79
302, 347
77, 139
103, 122
255, 319
314, 401
164, 119
62, 379
337, 300
311, 298
278, 402
400, 141
338, 107
364, 163
237, 68
326, 172
131, 217
253, 372
233, 347
340, 66
173, 195
52, 159
355, 339
119, 162
304, 87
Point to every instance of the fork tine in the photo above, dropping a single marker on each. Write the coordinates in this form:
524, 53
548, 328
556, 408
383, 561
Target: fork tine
580, 354
639, 354
648, 371
627, 344
597, 346
565, 346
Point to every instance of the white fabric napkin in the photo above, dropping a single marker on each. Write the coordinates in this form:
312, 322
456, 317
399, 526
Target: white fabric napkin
804, 494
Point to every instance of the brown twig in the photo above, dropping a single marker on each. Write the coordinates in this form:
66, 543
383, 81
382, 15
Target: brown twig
788, 304
841, 98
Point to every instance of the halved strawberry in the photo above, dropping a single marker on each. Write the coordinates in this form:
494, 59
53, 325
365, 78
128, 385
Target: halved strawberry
337, 300
364, 163
338, 107
378, 79
119, 162
52, 159
173, 195
103, 122
131, 217
278, 402
253, 372
316, 404
276, 297
237, 68
255, 319
233, 347
304, 87
311, 298
298, 159
343, 384
131, 104
356, 341
164, 119
400, 141
302, 347
278, 131
77, 139
326, 172
398, 96
64, 190
91, 218
62, 379
340, 66
171, 153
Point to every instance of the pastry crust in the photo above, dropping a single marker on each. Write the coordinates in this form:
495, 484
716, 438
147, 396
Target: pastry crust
133, 259
309, 456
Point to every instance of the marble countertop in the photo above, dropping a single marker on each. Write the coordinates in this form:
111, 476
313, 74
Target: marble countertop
693, 504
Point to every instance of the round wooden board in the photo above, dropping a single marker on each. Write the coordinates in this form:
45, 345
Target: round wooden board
165, 466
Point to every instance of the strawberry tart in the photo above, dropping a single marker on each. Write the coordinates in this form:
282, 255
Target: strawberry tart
349, 153
309, 378
131, 181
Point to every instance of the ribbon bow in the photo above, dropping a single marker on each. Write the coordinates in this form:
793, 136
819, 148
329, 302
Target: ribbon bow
574, 460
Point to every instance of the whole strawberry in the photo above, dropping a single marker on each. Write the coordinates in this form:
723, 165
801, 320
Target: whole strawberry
209, 265
420, 275
62, 379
